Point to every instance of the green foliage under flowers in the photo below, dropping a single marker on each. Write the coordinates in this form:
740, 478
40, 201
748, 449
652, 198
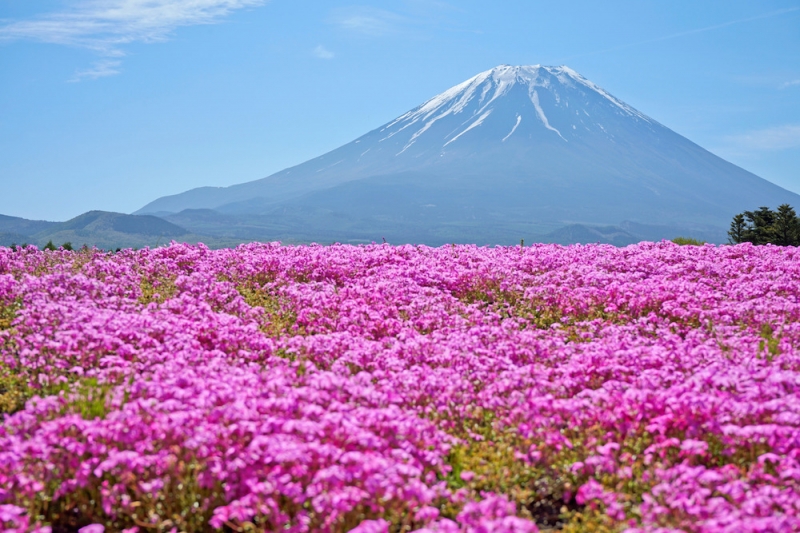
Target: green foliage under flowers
770, 343
16, 390
7, 315
157, 289
688, 241
489, 459
279, 317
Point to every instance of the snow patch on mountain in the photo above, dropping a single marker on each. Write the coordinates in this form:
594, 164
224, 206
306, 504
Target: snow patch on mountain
516, 125
540, 113
571, 74
471, 126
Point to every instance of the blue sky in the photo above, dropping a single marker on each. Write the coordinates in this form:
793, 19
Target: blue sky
109, 104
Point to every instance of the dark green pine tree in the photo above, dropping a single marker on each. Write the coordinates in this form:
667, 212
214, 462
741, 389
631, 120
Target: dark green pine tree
737, 233
760, 225
786, 227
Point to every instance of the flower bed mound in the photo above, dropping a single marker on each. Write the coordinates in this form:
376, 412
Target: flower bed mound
652, 388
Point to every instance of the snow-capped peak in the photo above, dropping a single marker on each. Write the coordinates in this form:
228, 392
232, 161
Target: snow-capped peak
542, 90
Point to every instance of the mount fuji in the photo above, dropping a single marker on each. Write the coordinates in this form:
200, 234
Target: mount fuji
513, 152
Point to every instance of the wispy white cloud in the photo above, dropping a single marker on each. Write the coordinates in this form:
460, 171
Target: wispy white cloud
761, 141
368, 20
100, 69
695, 31
323, 53
106, 25
415, 19
788, 84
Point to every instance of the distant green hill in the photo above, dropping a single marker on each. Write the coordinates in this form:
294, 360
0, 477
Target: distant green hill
22, 226
8, 239
102, 229
112, 230
121, 223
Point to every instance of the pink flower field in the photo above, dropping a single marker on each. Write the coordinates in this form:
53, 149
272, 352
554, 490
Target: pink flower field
380, 388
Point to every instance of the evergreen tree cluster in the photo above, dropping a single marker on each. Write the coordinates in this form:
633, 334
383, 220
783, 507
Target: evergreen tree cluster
765, 226
51, 246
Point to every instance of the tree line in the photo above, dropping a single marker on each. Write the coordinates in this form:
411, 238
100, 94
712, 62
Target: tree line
66, 246
765, 226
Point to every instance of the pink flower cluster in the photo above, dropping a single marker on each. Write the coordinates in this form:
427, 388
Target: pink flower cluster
654, 387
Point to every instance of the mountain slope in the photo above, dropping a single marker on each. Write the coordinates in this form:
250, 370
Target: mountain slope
580, 234
23, 226
112, 230
14, 239
101, 229
510, 147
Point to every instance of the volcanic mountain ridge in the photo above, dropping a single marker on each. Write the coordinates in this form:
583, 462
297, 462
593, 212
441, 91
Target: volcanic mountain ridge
513, 152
